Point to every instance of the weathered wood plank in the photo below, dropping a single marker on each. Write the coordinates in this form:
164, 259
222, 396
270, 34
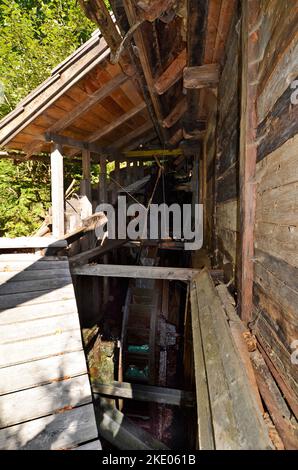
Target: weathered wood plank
237, 420
227, 215
278, 206
283, 74
176, 113
172, 74
228, 184
31, 242
135, 272
30, 298
201, 76
36, 311
205, 427
280, 125
21, 264
92, 254
26, 331
41, 401
41, 372
38, 348
59, 431
279, 168
34, 275
145, 393
16, 286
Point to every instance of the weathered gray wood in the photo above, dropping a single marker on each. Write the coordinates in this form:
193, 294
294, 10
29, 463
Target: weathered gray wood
122, 433
33, 312
34, 275
38, 348
40, 372
90, 255
25, 331
41, 401
136, 272
59, 431
31, 242
57, 188
237, 420
147, 393
205, 428
15, 286
30, 298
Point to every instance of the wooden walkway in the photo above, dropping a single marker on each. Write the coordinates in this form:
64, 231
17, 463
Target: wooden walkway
45, 395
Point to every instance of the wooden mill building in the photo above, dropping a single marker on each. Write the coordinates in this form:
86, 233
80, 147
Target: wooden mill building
141, 344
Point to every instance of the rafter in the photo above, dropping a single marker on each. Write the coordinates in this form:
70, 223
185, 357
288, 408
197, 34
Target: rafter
172, 74
92, 100
119, 144
145, 63
118, 122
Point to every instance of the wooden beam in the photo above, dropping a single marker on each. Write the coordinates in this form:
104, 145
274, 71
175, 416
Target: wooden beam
119, 144
97, 12
94, 253
147, 393
145, 63
117, 122
176, 113
202, 76
31, 242
102, 187
83, 107
153, 9
197, 16
248, 153
136, 272
57, 186
172, 74
153, 153
63, 140
86, 173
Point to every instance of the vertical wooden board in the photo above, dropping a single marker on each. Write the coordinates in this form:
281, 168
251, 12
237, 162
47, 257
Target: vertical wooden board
35, 402
57, 191
59, 431
35, 373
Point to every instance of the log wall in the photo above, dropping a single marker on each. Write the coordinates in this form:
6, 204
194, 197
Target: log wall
222, 162
275, 293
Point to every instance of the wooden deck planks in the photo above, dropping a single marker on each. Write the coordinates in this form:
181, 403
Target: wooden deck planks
45, 394
236, 420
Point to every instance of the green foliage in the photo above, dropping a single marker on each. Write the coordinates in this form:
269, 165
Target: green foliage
35, 36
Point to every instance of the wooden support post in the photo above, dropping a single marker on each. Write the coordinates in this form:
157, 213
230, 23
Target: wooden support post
102, 188
57, 186
248, 154
86, 184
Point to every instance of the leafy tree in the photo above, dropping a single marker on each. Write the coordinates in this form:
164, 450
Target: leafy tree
35, 36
